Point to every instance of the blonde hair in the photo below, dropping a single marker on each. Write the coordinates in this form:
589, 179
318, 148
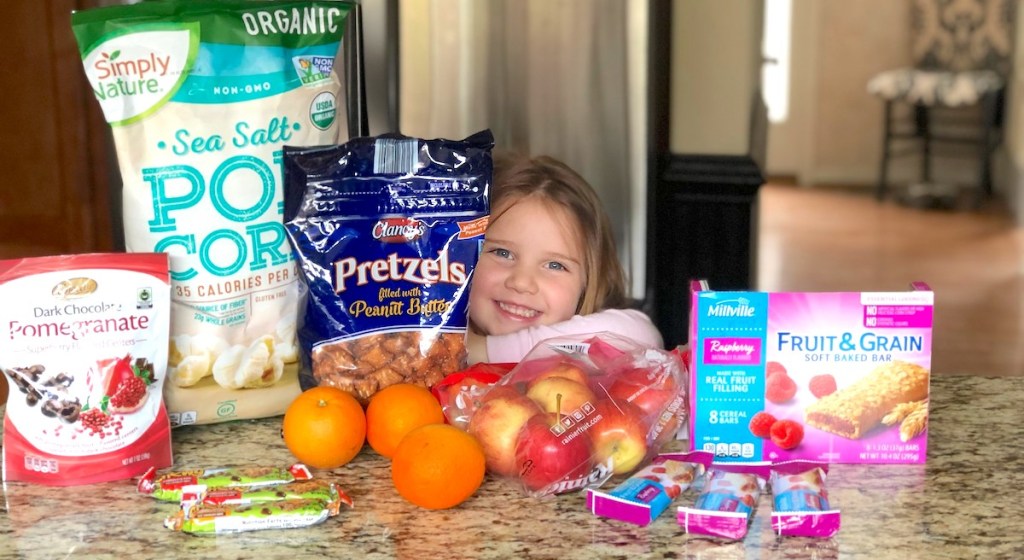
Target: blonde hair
517, 177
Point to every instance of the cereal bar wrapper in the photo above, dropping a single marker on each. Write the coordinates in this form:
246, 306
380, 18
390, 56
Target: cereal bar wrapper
315, 489
387, 231
201, 98
642, 497
726, 502
203, 519
801, 505
168, 486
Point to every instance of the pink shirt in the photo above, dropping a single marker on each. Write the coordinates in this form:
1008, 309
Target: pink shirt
632, 323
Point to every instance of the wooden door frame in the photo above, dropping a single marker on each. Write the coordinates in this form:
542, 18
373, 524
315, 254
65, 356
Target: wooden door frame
79, 149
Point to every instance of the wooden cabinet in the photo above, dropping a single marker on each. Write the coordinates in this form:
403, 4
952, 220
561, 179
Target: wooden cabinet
705, 226
55, 158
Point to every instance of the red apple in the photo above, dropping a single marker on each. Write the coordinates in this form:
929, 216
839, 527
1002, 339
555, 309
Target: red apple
543, 458
496, 425
547, 393
651, 390
566, 370
620, 435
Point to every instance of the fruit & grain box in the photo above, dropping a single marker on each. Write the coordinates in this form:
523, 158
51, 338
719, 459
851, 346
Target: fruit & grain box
841, 377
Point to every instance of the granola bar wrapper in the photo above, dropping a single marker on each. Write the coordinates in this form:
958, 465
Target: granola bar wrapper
801, 505
169, 486
204, 519
641, 498
315, 489
387, 231
727, 501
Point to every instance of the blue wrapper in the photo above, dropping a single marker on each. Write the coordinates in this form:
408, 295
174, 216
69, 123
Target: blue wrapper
641, 498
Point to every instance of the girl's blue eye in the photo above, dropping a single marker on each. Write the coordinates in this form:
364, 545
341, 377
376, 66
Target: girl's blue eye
556, 266
499, 252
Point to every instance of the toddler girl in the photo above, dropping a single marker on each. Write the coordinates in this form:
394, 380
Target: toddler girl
548, 267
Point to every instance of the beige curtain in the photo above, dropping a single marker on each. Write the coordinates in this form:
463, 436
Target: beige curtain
565, 78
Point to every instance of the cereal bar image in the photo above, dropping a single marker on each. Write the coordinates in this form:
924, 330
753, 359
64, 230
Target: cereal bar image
853, 411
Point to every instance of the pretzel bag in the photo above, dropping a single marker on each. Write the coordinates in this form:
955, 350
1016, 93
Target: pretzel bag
387, 234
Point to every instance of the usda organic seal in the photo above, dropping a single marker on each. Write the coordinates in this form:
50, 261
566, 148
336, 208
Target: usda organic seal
323, 110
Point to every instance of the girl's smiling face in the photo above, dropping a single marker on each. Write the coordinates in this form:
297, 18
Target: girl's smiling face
531, 271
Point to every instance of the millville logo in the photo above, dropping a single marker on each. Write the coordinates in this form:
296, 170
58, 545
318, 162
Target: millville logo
739, 307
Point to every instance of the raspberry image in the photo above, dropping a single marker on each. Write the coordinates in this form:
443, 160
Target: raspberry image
787, 434
779, 388
821, 385
771, 368
761, 424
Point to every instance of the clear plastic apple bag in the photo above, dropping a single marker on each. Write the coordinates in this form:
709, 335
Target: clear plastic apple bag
579, 410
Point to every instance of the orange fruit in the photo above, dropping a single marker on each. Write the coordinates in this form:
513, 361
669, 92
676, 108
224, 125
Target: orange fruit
437, 466
397, 410
324, 427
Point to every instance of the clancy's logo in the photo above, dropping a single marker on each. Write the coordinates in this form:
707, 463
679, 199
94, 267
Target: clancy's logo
732, 308
398, 230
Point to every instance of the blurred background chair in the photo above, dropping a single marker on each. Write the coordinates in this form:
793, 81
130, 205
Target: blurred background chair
961, 51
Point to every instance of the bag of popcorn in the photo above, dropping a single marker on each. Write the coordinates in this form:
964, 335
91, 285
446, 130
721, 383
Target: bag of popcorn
201, 98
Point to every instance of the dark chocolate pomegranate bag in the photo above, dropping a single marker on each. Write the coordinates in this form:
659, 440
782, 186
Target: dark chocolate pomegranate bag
83, 345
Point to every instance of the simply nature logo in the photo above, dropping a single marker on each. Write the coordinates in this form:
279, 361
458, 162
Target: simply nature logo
133, 74
129, 76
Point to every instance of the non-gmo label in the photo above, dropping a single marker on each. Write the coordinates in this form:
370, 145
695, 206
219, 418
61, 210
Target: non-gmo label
313, 70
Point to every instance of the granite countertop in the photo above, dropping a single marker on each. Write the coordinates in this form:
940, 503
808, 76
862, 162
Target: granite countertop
964, 503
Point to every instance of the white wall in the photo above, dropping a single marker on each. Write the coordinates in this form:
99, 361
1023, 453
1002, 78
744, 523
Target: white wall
1014, 127
834, 131
834, 134
715, 72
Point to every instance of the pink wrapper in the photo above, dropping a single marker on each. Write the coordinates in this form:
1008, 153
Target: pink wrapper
641, 498
727, 502
801, 503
